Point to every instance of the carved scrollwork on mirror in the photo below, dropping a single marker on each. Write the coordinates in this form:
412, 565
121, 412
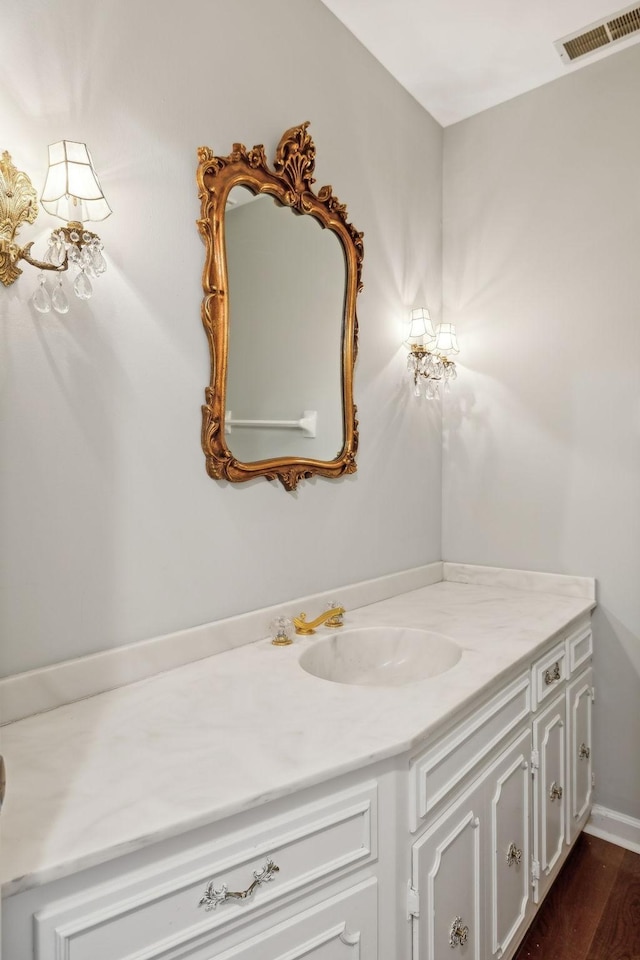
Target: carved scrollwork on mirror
282, 272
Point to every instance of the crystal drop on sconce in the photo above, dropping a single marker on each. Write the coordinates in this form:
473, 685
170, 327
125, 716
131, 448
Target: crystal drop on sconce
41, 298
82, 286
98, 262
59, 300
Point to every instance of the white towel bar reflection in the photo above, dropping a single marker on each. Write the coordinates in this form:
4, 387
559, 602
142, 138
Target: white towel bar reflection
308, 423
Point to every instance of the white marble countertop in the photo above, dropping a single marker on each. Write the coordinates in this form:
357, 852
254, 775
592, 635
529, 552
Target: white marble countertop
108, 775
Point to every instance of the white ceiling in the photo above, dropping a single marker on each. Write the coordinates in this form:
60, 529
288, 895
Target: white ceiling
458, 57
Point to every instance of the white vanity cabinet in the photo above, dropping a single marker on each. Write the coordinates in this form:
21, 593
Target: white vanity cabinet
441, 853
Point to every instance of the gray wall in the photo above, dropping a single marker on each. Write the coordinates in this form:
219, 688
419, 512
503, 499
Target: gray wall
542, 434
111, 529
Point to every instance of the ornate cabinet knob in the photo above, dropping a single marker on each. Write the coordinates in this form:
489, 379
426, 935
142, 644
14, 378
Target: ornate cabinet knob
555, 791
552, 674
514, 855
458, 933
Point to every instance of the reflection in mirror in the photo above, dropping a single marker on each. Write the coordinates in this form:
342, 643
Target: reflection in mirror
286, 279
282, 272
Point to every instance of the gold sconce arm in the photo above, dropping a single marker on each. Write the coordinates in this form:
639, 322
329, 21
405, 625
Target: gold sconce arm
24, 253
11, 254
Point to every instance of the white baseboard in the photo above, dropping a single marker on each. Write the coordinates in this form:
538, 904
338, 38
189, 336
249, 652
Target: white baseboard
615, 827
46, 688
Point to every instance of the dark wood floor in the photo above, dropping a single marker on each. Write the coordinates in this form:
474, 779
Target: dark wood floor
592, 912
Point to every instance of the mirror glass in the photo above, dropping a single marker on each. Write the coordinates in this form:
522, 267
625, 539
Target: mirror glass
286, 289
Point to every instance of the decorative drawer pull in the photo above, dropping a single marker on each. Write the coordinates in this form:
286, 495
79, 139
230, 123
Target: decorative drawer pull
513, 855
584, 752
213, 897
459, 933
555, 792
552, 674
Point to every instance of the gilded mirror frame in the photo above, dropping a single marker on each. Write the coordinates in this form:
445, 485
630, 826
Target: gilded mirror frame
289, 182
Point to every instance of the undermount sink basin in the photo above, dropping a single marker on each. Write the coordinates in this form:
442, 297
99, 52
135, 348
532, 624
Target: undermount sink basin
380, 656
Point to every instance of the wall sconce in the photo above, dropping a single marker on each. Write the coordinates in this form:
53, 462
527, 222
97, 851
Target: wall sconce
429, 362
73, 193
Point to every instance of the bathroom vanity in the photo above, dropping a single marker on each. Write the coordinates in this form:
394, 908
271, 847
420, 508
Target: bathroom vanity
242, 808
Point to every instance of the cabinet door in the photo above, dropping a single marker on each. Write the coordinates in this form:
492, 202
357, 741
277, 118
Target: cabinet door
508, 787
446, 870
579, 768
550, 796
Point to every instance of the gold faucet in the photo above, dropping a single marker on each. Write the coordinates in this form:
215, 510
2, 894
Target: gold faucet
332, 618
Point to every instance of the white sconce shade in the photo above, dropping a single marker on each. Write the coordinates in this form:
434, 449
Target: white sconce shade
72, 190
421, 327
446, 339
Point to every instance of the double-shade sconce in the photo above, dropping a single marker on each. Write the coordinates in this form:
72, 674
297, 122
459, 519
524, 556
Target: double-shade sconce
73, 193
429, 362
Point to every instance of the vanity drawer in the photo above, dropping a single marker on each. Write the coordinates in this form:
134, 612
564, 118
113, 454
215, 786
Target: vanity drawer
579, 649
548, 673
329, 930
153, 911
437, 772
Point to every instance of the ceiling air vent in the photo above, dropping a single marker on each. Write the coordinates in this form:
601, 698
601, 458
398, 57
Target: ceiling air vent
604, 33
624, 24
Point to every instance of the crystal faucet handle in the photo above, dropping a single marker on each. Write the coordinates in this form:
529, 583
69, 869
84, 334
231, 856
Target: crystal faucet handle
336, 618
281, 631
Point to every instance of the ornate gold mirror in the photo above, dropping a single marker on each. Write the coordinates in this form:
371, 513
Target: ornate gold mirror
281, 276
